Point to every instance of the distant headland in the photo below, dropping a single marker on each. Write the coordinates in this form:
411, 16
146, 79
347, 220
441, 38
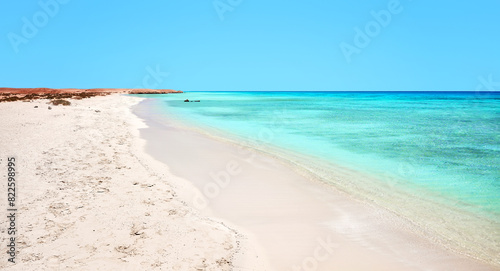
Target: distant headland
15, 94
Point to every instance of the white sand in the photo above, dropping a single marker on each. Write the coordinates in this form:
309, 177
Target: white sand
90, 199
299, 224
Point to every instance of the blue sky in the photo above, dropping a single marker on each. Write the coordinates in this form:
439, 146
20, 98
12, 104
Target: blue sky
251, 45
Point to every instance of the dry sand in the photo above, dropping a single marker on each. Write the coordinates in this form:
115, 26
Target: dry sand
89, 198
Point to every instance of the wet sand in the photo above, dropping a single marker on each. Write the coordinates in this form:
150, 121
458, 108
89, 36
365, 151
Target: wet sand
293, 222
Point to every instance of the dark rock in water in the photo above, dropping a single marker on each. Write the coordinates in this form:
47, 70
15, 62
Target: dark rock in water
197, 101
186, 100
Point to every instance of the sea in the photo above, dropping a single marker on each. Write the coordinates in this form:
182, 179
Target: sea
431, 157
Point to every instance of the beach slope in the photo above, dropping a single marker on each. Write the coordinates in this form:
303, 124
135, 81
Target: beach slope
89, 198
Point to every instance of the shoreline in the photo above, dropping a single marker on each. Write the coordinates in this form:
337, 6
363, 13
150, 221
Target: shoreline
90, 198
447, 226
402, 231
93, 197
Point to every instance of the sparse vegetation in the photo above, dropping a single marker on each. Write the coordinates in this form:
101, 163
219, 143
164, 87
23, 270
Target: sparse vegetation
12, 97
8, 98
61, 101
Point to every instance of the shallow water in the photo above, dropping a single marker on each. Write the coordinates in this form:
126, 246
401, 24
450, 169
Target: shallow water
441, 148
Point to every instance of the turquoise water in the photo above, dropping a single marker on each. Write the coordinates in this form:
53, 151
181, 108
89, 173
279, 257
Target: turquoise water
443, 144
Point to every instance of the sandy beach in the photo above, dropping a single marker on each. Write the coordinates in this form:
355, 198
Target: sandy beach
232, 135
300, 223
89, 198
103, 185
